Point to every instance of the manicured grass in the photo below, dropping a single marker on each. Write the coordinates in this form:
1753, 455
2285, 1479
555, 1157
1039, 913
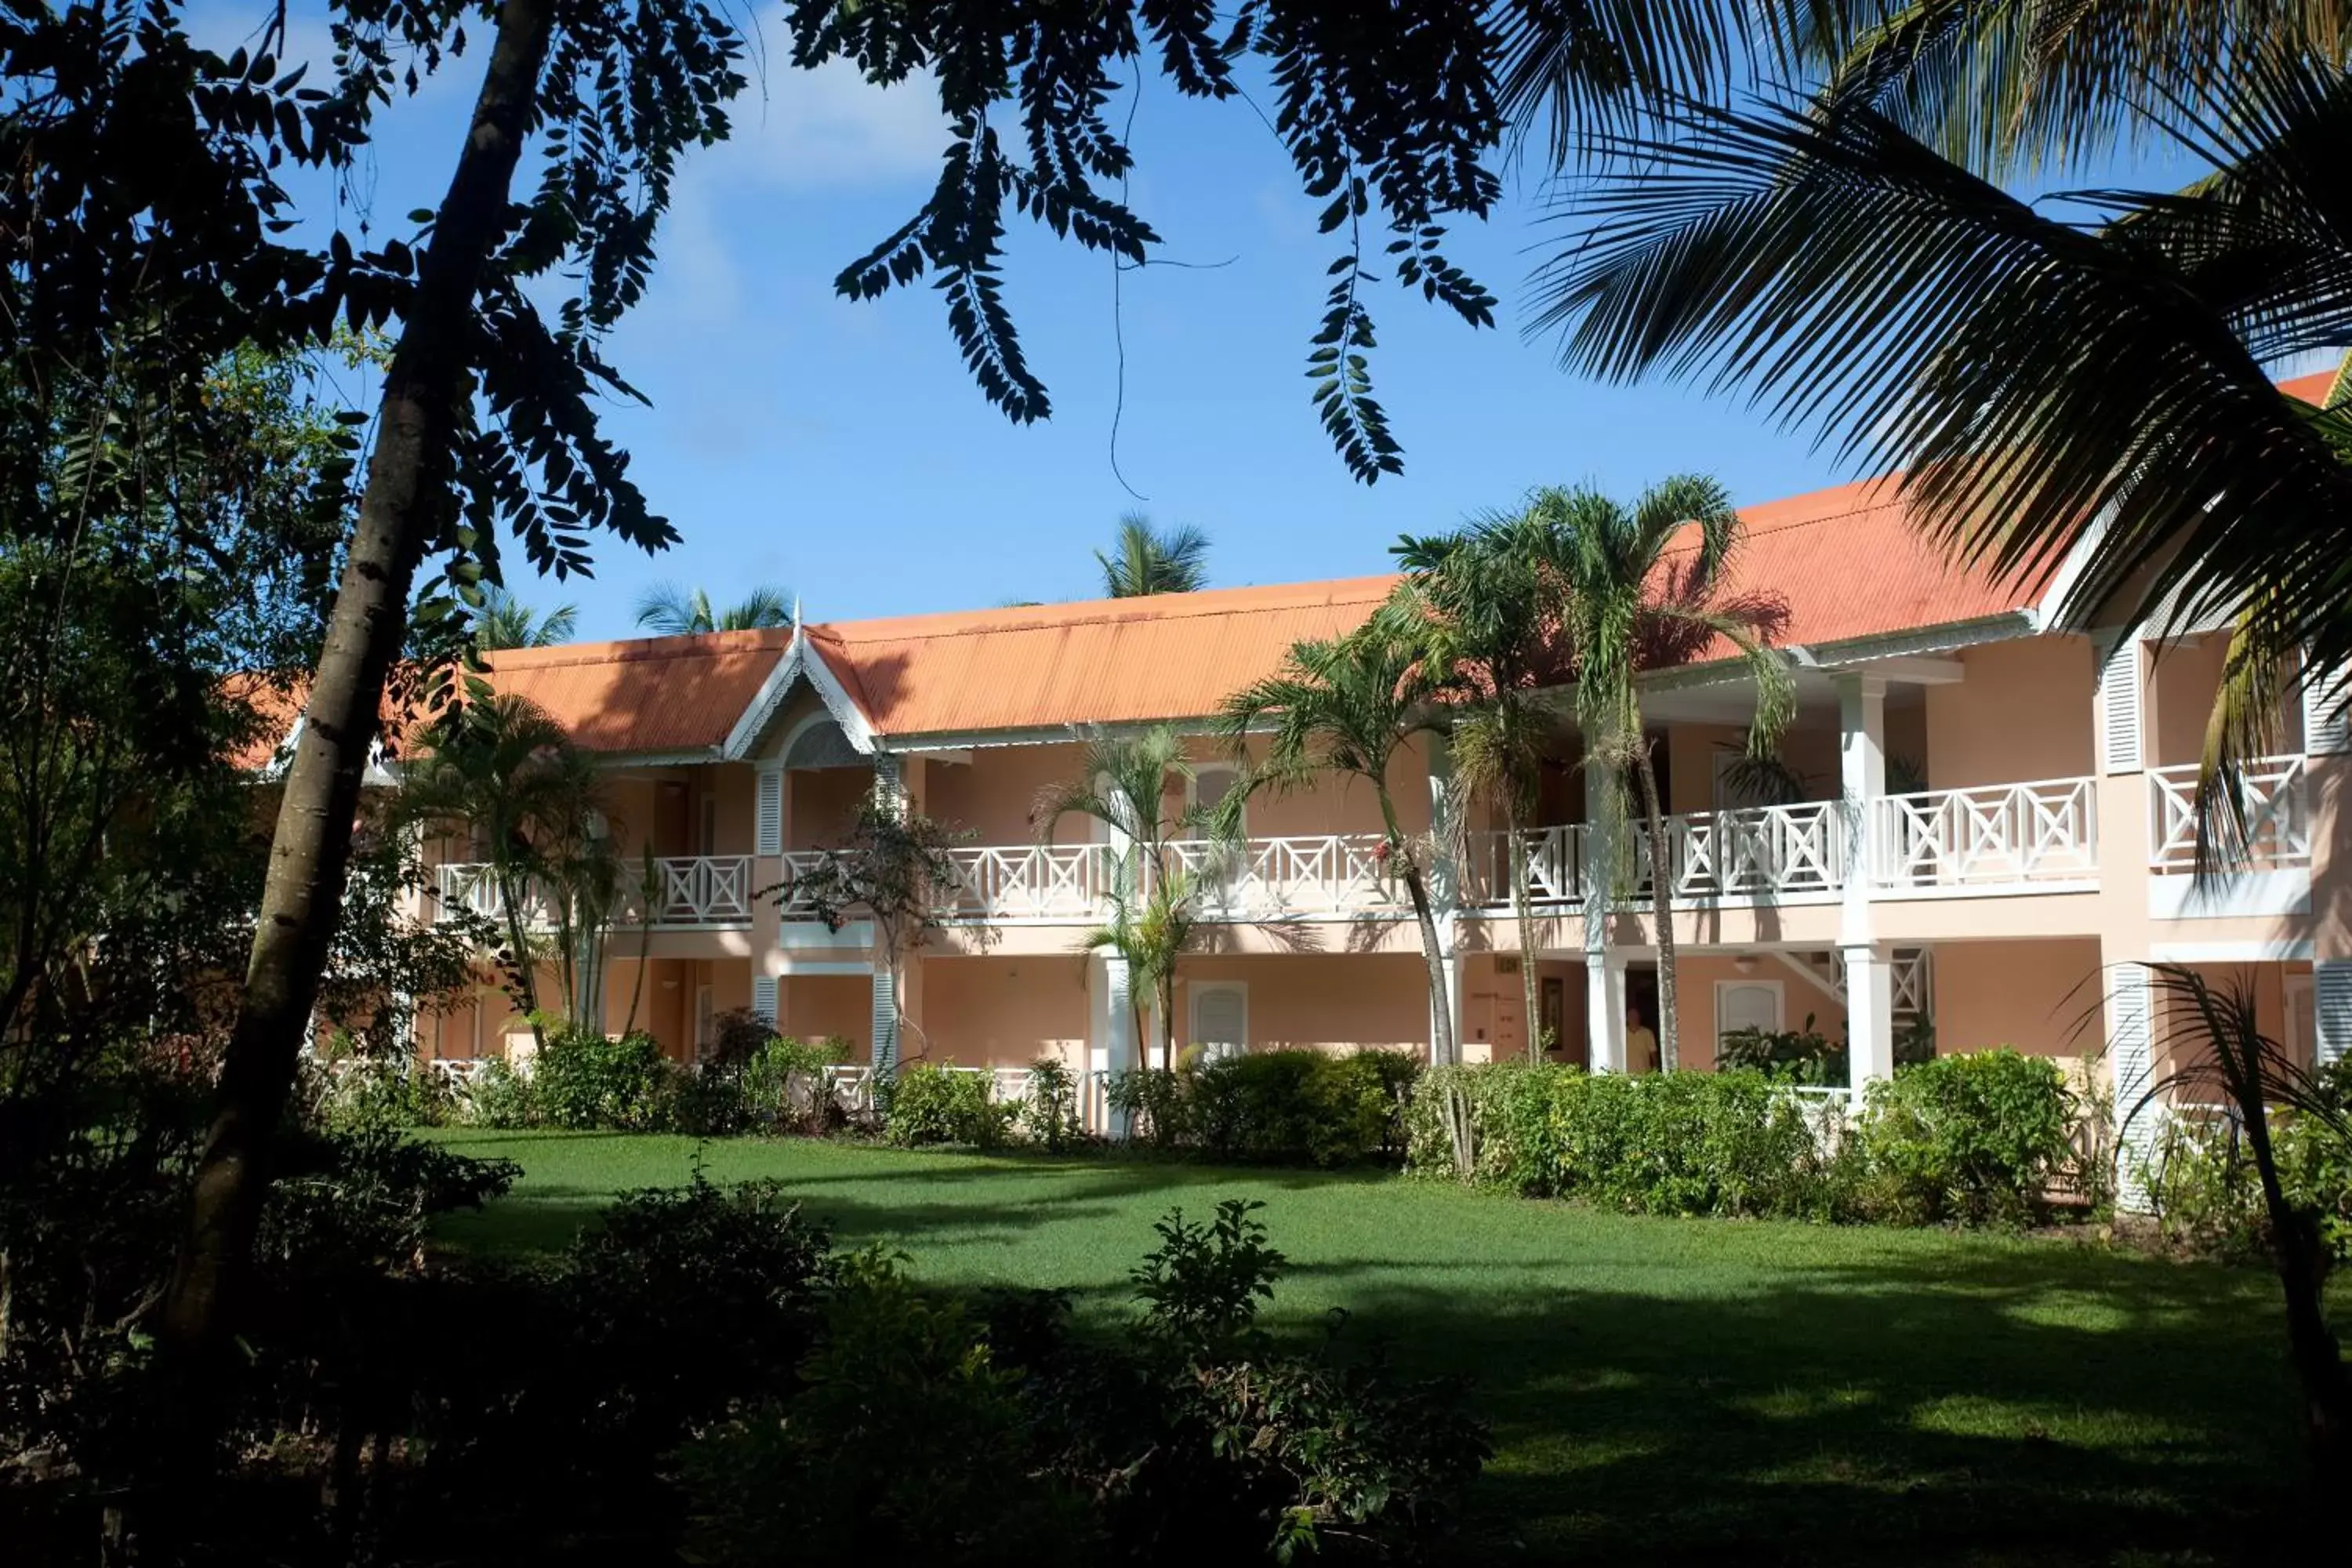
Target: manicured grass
1661, 1390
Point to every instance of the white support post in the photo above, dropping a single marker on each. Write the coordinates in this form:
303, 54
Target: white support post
1112, 1021
1861, 769
1869, 1015
2131, 1054
1604, 1013
2331, 1008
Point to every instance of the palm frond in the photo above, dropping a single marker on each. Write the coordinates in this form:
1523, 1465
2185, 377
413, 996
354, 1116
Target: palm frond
1144, 560
2043, 385
765, 608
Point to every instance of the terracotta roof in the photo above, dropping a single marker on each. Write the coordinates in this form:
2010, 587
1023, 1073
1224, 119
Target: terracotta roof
649, 694
2312, 389
1106, 661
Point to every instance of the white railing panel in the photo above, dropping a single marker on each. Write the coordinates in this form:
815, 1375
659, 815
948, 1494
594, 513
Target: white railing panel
2041, 831
1768, 850
1554, 858
1032, 882
703, 889
2271, 801
1274, 878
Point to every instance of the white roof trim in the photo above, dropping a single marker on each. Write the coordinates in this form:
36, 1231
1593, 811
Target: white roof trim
799, 660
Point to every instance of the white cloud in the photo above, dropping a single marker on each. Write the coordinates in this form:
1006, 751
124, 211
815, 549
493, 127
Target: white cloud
830, 126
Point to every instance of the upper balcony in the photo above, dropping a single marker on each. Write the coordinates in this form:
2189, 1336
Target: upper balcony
689, 892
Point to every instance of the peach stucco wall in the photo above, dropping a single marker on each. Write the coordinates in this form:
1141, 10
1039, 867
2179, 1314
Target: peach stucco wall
2022, 711
1328, 1001
2043, 998
816, 1005
1005, 1012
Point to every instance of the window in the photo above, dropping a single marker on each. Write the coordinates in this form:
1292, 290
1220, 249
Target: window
1220, 1018
1747, 1004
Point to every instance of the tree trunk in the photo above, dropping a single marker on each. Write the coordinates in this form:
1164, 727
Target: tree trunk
1523, 911
1443, 1049
2302, 1259
1660, 912
407, 499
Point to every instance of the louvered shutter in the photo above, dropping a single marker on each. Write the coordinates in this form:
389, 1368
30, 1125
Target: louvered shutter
2130, 1057
2326, 720
768, 837
2119, 707
2331, 1008
1219, 1021
763, 997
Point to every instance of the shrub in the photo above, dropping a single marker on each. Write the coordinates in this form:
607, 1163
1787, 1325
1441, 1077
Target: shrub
932, 1104
2207, 1195
1679, 1144
498, 1096
363, 1091
785, 1088
1293, 1107
1802, 1055
948, 1432
1049, 1112
1973, 1138
584, 1080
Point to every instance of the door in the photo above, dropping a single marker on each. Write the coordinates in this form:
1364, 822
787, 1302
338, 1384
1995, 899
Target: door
1511, 1001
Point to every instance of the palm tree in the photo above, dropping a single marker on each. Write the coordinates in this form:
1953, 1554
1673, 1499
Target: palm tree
2232, 1058
1143, 560
506, 772
669, 611
1350, 706
1482, 610
504, 621
2045, 385
1126, 781
1640, 588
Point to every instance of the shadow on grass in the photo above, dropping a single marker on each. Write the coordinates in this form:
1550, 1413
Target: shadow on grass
1908, 1400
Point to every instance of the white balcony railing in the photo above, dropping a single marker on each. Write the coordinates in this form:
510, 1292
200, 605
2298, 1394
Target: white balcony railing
703, 890
688, 890
1037, 881
2043, 831
1554, 858
1274, 878
2271, 800
1773, 850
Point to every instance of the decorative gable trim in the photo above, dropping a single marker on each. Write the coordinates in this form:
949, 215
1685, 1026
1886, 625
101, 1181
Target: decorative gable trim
800, 660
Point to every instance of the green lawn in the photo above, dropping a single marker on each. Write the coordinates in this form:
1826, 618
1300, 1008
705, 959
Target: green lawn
1661, 1390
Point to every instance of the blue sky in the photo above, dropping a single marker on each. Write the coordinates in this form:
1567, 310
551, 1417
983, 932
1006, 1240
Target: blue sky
841, 449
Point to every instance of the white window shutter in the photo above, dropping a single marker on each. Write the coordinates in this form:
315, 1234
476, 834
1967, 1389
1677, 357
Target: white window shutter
2326, 719
1219, 1021
763, 997
2331, 1008
885, 1021
2130, 1056
2119, 707
769, 838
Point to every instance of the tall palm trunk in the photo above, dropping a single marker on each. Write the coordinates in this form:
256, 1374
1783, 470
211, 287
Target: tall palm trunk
1523, 911
1661, 878
405, 502
2302, 1260
1443, 1049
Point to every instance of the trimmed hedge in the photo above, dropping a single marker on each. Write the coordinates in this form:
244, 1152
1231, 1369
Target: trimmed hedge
1965, 1139
1281, 1107
1680, 1143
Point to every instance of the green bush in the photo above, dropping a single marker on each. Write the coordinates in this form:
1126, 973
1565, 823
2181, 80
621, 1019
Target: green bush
498, 1096
2207, 1195
1802, 1055
784, 1085
1977, 1138
1287, 1107
931, 1104
1679, 1144
365, 1091
583, 1080
1049, 1112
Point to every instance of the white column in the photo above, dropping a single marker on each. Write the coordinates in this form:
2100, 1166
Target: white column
2131, 1056
1869, 1015
1111, 1023
1604, 1012
1861, 770
2331, 1009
